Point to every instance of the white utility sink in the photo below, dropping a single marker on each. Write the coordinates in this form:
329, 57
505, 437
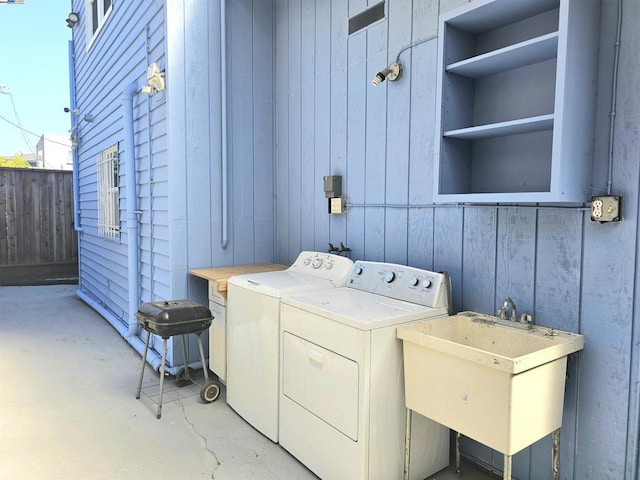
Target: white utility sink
501, 385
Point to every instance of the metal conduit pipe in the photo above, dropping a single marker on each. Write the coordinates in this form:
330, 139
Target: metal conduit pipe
154, 358
132, 213
614, 99
223, 130
151, 173
74, 133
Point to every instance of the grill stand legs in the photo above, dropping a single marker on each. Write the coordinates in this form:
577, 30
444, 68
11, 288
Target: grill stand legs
144, 361
204, 368
164, 359
210, 390
187, 374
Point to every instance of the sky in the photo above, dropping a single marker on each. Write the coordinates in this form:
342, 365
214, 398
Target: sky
34, 64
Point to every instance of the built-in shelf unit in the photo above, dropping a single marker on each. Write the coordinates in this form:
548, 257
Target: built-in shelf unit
516, 85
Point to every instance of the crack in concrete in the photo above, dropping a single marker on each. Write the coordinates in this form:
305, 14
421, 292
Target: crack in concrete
204, 439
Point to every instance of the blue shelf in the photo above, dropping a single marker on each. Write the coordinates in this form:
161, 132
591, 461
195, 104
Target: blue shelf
524, 53
512, 127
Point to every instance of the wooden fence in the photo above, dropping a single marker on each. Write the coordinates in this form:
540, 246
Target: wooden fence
38, 244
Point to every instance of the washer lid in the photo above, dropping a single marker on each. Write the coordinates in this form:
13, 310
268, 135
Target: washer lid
277, 284
359, 309
310, 271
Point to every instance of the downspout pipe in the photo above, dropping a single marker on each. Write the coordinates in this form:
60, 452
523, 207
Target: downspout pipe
223, 130
153, 357
132, 213
74, 132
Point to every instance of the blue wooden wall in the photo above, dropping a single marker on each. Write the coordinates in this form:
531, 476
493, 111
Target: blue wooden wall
567, 271
131, 38
178, 143
301, 107
195, 142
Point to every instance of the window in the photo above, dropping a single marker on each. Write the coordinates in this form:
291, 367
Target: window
108, 193
97, 13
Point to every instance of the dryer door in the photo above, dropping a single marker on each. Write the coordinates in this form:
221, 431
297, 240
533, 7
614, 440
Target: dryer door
322, 382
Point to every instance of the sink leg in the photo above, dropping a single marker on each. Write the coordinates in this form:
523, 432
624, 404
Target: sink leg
407, 444
458, 471
555, 455
507, 467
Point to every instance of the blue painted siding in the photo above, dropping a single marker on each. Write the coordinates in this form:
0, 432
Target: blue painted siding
568, 272
177, 144
301, 107
131, 38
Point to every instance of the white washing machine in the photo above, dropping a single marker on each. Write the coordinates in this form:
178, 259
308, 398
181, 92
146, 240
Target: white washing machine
342, 408
253, 325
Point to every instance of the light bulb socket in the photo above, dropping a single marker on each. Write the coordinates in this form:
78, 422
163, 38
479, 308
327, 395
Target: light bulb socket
379, 78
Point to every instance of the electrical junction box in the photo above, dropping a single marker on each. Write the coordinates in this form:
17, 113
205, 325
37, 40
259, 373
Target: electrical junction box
606, 209
337, 205
332, 186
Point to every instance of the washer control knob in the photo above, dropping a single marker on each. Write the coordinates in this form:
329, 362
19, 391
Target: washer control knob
413, 281
426, 283
358, 270
307, 261
389, 277
328, 265
317, 263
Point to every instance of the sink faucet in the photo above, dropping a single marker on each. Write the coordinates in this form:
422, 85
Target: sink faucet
505, 308
525, 321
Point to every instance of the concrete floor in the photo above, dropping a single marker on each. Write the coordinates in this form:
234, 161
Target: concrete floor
68, 409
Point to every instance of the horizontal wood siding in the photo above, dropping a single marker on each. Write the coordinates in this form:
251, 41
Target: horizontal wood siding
177, 144
556, 264
131, 38
37, 241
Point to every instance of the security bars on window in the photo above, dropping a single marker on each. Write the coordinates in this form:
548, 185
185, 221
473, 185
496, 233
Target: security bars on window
108, 193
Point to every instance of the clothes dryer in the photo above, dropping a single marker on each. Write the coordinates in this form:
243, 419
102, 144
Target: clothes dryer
253, 324
342, 407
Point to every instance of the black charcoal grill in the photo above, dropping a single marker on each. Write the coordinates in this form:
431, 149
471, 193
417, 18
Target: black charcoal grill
176, 317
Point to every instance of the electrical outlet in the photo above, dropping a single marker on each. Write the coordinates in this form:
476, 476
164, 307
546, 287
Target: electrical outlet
606, 209
337, 205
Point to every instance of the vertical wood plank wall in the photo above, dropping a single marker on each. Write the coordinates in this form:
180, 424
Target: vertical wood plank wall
37, 240
567, 271
195, 141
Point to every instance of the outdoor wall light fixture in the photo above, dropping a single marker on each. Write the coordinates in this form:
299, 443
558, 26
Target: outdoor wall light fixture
72, 19
155, 80
392, 73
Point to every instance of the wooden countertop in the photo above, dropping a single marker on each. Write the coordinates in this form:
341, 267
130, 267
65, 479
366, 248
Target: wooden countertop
220, 275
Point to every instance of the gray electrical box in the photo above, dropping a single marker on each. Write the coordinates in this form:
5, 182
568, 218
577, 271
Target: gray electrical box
332, 186
606, 208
